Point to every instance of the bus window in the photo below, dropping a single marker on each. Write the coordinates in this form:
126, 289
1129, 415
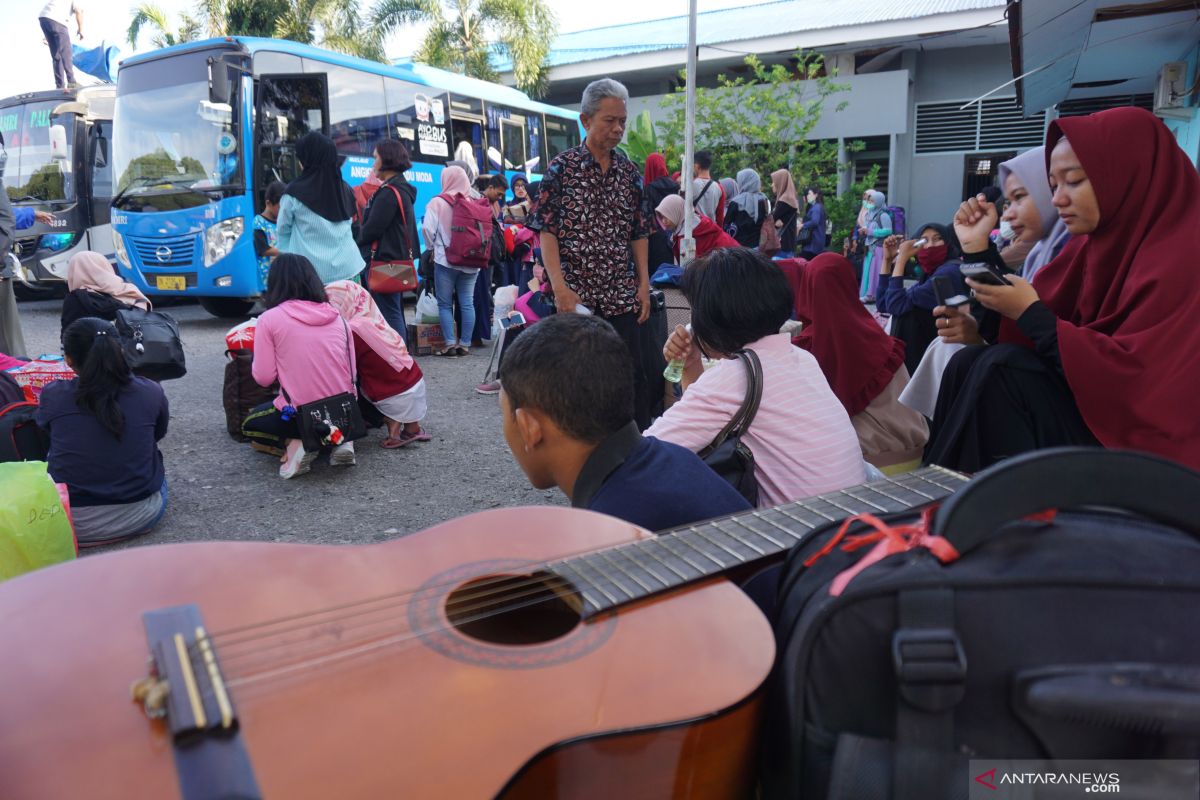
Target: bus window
466, 114
101, 163
418, 119
561, 134
535, 144
505, 139
267, 62
357, 119
289, 106
512, 140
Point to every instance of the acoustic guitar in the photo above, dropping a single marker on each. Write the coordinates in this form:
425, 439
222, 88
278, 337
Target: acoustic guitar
515, 653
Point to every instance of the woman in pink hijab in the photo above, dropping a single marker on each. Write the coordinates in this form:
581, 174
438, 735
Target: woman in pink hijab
387, 374
450, 280
96, 290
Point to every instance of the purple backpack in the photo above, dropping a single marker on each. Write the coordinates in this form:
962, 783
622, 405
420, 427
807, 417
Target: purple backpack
470, 242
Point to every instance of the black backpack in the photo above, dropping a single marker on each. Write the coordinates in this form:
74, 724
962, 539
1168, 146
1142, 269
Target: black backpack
151, 343
1063, 637
21, 438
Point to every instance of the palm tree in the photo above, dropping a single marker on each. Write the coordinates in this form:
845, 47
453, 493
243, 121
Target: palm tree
162, 35
464, 35
334, 24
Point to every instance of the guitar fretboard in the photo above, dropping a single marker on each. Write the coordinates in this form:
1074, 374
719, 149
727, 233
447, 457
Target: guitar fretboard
610, 578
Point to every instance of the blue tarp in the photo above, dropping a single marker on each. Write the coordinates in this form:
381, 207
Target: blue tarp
99, 62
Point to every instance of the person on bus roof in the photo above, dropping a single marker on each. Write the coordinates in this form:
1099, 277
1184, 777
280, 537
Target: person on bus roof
316, 211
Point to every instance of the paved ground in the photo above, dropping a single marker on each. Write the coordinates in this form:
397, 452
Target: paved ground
221, 489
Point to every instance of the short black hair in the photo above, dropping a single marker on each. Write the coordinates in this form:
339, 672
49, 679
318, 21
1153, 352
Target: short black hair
393, 155
292, 277
737, 296
274, 193
820, 195
702, 159
575, 369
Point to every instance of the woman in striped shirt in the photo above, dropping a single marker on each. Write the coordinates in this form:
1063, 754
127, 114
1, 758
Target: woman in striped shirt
802, 439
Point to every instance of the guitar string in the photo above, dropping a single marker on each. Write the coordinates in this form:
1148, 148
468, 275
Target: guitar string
399, 638
505, 583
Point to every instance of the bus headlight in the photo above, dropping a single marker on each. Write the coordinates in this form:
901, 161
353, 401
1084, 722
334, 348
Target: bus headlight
56, 241
220, 239
119, 249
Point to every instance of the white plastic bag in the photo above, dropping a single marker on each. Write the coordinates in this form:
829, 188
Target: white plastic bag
427, 308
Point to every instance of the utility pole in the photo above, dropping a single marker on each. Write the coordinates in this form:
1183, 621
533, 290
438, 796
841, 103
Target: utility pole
687, 249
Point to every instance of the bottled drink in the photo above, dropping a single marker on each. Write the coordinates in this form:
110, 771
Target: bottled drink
674, 370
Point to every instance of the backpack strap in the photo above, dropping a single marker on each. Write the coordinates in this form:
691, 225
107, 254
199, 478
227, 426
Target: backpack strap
403, 224
696, 199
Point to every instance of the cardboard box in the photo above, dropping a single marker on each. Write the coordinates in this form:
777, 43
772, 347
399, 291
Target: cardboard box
427, 339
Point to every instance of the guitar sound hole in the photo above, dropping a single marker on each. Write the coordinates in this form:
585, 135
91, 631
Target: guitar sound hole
514, 609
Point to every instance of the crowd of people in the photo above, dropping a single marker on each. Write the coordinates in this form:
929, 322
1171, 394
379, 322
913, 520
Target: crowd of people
933, 347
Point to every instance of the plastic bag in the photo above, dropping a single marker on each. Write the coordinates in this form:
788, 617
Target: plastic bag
427, 308
35, 519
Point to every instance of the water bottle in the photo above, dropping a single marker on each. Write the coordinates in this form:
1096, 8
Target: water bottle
674, 370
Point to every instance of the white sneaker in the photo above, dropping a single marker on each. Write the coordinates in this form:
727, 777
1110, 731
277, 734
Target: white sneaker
343, 455
297, 461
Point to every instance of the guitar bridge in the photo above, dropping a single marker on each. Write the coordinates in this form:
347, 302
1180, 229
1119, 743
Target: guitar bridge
185, 685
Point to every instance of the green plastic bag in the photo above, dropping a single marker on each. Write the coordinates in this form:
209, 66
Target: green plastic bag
35, 519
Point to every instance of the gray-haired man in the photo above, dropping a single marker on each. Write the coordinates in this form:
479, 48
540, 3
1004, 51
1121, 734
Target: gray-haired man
589, 214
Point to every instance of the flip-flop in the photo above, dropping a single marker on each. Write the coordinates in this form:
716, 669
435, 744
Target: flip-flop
420, 436
395, 444
449, 352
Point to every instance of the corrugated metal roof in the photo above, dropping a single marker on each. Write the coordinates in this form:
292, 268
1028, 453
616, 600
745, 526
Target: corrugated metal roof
739, 24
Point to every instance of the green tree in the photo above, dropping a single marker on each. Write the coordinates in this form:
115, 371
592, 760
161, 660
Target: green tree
163, 32
465, 34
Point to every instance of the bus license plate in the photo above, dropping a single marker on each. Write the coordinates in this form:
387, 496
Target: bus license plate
171, 283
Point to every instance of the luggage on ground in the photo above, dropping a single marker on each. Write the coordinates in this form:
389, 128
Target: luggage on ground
21, 438
35, 520
241, 393
996, 634
152, 344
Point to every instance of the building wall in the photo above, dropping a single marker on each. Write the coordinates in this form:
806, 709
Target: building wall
1187, 130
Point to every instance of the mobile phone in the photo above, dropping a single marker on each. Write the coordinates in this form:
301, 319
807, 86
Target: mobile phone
984, 273
516, 318
943, 290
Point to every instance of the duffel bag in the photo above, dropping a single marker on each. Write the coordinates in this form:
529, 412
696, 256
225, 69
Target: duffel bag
152, 344
1046, 611
241, 393
21, 438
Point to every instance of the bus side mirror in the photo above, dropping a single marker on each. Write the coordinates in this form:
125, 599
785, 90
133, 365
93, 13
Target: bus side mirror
101, 155
58, 143
220, 89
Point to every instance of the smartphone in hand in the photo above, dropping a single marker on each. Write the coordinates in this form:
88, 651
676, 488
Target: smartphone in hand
944, 291
984, 273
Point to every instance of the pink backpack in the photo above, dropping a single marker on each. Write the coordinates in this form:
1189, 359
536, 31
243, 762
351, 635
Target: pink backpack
470, 242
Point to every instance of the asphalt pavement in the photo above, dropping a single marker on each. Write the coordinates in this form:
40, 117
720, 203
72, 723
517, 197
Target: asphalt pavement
222, 489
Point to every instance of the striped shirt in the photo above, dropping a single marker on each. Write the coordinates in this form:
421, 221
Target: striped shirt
802, 438
328, 245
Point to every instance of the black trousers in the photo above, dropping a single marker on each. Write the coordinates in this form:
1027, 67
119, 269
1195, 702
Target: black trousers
627, 327
998, 401
265, 425
58, 39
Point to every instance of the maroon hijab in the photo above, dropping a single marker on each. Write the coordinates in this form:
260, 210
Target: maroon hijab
656, 167
857, 357
1125, 294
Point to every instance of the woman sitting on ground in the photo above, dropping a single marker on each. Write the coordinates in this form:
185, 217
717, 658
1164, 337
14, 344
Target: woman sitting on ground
95, 290
802, 438
104, 428
864, 366
706, 233
390, 379
302, 343
1098, 349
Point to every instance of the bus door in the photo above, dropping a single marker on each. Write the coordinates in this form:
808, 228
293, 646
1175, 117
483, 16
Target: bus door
466, 124
288, 106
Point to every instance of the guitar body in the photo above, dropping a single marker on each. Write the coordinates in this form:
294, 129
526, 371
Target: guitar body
656, 700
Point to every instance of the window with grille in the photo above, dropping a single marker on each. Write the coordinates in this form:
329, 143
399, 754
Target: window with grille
1090, 105
993, 123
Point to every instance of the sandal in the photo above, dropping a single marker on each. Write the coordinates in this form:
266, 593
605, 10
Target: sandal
391, 443
446, 352
462, 351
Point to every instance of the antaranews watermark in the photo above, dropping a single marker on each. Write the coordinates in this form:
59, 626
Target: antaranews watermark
1143, 780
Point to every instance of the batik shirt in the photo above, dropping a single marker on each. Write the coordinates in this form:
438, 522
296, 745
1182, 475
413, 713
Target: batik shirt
594, 215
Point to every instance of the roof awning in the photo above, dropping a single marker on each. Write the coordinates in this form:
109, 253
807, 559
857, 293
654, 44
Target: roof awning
1095, 47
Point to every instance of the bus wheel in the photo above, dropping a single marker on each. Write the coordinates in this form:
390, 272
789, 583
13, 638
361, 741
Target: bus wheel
227, 307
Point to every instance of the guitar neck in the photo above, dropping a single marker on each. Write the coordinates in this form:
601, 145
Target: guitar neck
608, 579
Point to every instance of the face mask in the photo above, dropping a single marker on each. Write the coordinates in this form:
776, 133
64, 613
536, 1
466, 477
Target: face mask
1006, 230
868, 205
932, 257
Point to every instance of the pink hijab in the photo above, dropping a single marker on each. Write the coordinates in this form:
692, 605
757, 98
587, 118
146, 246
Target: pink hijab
90, 270
454, 181
357, 307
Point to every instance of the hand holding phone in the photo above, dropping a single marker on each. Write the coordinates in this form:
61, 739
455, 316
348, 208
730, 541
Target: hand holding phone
984, 273
514, 319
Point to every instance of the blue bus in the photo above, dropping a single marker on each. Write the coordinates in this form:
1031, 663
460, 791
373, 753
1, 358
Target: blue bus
200, 130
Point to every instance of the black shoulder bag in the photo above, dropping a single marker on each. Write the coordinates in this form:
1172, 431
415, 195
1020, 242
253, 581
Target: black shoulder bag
317, 419
728, 455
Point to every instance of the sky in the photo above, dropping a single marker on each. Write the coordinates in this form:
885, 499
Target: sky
26, 60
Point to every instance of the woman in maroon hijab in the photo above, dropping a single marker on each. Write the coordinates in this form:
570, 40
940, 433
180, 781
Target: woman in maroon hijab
1102, 347
864, 366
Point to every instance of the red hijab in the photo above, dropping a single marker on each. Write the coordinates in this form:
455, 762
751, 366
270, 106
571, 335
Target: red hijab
1130, 348
857, 357
656, 167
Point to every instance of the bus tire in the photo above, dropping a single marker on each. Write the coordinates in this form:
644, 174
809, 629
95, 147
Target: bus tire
227, 307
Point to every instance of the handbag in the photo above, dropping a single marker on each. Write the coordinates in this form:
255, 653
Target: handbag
151, 343
768, 237
397, 275
728, 455
318, 419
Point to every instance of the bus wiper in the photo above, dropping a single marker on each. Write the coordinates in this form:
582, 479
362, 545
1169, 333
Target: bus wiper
146, 180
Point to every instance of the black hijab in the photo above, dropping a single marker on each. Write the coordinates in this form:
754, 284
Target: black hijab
320, 185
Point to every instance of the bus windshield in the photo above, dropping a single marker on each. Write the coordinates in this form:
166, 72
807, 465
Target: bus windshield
172, 148
30, 174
